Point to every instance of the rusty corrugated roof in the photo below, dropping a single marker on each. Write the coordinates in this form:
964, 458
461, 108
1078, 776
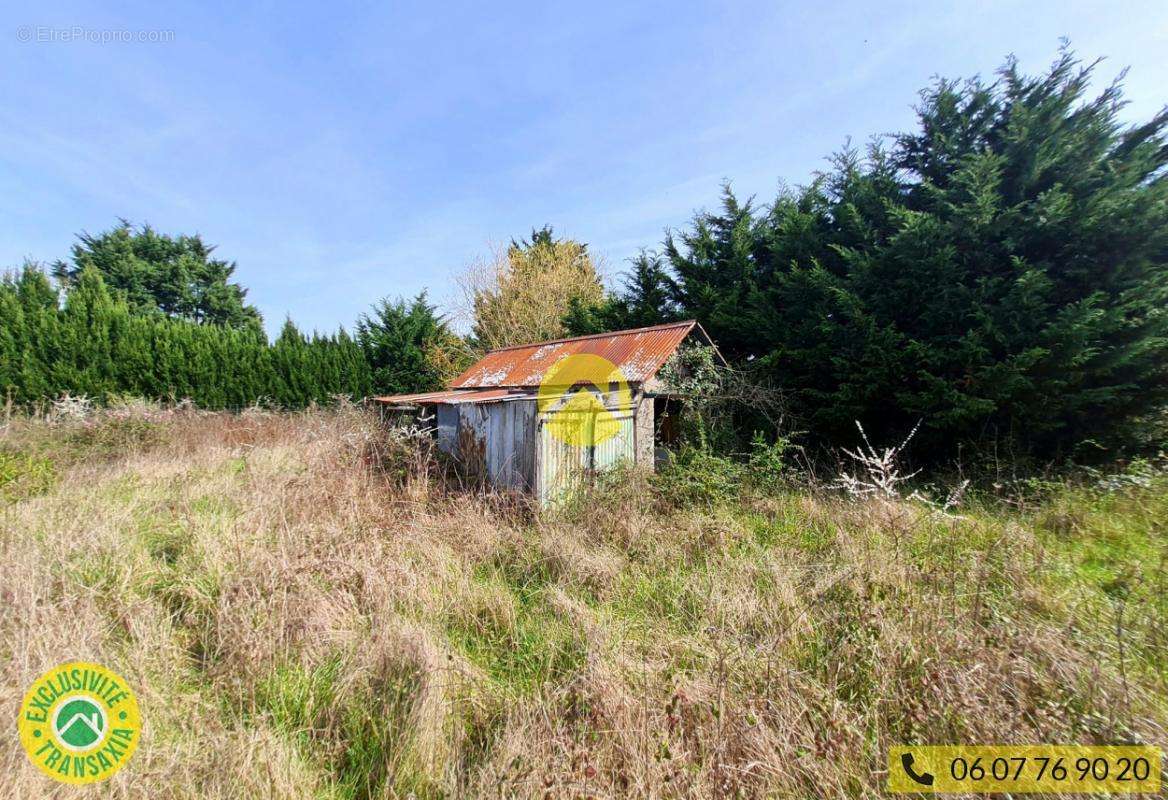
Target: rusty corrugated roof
444, 397
638, 353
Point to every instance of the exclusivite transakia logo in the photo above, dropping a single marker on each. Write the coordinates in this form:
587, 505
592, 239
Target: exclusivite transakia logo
79, 723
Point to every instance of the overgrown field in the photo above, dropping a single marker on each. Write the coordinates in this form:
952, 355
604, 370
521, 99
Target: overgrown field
306, 610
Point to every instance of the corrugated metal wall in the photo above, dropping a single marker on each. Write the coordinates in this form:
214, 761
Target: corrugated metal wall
512, 446
562, 463
618, 448
447, 428
497, 441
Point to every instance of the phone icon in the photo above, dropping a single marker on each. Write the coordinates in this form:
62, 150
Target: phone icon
923, 778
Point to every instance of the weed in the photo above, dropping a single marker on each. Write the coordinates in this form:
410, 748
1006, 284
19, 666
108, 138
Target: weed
767, 469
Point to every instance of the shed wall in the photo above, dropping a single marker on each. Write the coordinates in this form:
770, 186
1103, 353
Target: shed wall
619, 448
561, 464
497, 442
644, 432
511, 445
447, 428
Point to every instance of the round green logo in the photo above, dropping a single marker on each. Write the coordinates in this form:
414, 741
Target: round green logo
79, 723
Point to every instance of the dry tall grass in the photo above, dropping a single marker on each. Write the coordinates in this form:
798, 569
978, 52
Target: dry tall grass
306, 613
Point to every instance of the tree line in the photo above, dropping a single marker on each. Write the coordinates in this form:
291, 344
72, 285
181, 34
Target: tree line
140, 313
999, 274
87, 340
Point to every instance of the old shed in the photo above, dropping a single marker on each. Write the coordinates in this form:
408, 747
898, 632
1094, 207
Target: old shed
523, 419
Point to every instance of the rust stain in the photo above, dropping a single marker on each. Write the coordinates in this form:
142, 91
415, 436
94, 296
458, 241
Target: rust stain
472, 449
637, 353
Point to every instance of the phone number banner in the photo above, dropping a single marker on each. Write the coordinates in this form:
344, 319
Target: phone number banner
1082, 769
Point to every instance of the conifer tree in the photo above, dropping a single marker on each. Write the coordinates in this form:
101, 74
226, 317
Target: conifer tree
95, 344
646, 298
395, 338
176, 276
1000, 272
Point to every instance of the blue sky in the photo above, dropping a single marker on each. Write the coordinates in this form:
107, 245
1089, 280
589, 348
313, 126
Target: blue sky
345, 153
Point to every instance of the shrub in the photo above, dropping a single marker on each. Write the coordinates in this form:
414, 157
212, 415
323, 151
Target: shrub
699, 477
113, 436
767, 468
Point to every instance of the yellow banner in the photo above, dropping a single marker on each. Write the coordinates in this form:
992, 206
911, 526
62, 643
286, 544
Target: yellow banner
1068, 768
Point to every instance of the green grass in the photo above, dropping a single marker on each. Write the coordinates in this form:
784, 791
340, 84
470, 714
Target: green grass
24, 475
671, 602
347, 733
522, 643
1109, 553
